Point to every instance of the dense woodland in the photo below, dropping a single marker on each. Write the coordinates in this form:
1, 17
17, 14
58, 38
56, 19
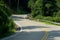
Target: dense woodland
38, 9
45, 9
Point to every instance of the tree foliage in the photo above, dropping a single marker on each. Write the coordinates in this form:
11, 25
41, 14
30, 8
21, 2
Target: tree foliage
20, 6
6, 23
44, 8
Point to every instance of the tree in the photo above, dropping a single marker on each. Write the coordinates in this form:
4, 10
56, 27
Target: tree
17, 5
43, 7
36, 7
6, 23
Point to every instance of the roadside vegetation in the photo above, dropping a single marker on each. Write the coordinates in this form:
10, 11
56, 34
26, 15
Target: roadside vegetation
7, 26
48, 10
39, 9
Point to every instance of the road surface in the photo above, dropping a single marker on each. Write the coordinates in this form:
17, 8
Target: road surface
32, 30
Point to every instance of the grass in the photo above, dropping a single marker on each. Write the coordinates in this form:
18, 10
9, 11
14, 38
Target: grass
48, 23
45, 22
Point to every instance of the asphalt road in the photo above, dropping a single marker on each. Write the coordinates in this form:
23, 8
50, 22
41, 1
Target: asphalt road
32, 30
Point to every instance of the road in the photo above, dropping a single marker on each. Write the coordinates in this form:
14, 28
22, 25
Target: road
32, 30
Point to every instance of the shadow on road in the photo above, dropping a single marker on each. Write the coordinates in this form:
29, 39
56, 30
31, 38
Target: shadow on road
53, 35
28, 36
33, 27
35, 35
16, 18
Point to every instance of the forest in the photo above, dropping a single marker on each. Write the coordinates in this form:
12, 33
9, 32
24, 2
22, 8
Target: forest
38, 9
45, 9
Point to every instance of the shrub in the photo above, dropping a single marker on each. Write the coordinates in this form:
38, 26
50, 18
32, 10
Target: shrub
6, 23
56, 19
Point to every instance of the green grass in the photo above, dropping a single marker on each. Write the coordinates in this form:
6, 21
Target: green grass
45, 22
48, 23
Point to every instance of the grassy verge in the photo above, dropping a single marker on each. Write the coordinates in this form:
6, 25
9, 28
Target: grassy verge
49, 23
46, 22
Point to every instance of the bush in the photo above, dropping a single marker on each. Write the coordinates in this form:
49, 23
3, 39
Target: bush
56, 19
48, 18
6, 23
39, 17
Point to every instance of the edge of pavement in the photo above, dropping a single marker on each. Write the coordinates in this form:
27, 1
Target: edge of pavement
16, 33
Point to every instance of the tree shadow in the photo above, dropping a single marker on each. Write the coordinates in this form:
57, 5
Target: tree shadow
53, 34
33, 27
16, 18
35, 35
27, 36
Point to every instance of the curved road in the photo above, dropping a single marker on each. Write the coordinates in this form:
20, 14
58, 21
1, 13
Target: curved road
32, 30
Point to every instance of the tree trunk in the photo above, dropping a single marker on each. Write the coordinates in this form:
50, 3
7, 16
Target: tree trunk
10, 3
17, 5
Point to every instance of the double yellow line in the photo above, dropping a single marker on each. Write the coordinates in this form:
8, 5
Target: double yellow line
45, 35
